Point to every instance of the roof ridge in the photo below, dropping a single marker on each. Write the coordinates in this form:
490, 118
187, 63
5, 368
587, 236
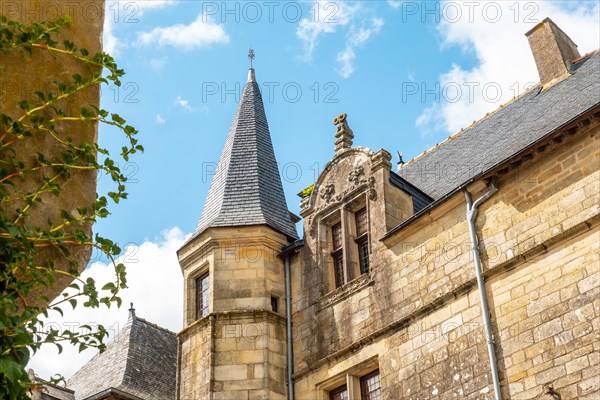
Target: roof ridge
471, 125
129, 323
585, 56
505, 132
500, 107
152, 324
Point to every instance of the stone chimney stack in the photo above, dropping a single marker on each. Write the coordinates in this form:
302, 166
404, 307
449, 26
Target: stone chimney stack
552, 50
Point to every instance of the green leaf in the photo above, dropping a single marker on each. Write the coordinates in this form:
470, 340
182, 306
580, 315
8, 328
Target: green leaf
24, 104
10, 368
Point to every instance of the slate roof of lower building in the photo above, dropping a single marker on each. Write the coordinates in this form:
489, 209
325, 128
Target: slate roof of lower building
246, 188
505, 132
141, 361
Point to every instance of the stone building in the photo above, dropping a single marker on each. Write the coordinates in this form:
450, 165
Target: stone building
472, 272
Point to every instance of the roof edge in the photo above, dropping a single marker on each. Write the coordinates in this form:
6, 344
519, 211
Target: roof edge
589, 113
112, 390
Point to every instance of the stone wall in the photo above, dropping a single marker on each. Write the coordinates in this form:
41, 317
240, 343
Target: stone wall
237, 351
23, 74
194, 360
418, 314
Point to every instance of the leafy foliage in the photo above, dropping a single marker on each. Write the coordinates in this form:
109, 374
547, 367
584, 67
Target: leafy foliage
26, 181
306, 192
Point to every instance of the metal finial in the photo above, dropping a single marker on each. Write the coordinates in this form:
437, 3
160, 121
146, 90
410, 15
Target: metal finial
400, 160
251, 55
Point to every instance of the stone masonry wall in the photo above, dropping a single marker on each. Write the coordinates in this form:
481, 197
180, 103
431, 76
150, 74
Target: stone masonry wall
237, 351
418, 311
22, 75
194, 369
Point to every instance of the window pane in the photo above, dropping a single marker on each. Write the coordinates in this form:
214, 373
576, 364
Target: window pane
363, 254
338, 268
202, 296
340, 393
362, 225
370, 386
336, 233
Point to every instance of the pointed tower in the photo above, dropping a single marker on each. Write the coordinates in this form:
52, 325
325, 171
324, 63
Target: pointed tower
232, 345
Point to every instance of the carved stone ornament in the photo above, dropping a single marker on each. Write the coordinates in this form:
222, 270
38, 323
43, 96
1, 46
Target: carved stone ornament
355, 174
312, 228
343, 134
372, 192
327, 192
304, 202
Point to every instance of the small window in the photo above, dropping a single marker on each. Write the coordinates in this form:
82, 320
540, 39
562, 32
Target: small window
362, 239
336, 234
202, 296
338, 268
340, 393
363, 254
370, 386
362, 224
275, 304
338, 254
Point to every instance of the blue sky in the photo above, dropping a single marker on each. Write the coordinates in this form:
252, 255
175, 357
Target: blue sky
408, 74
380, 62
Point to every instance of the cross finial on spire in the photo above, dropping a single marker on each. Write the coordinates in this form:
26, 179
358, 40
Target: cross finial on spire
251, 55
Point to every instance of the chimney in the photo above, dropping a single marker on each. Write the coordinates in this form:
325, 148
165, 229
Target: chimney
553, 52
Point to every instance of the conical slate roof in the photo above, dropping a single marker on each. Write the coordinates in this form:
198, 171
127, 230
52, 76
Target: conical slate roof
246, 188
140, 362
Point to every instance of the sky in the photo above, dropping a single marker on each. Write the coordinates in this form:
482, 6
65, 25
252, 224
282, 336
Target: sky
407, 73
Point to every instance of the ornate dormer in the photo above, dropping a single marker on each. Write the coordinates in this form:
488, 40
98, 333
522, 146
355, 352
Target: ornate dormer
350, 207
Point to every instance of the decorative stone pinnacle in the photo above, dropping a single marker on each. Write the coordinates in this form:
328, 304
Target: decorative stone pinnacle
343, 134
131, 311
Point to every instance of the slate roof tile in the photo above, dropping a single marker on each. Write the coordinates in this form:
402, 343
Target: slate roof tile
140, 361
246, 188
505, 132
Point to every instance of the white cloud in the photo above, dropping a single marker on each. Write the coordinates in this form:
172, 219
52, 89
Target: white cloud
158, 64
505, 65
110, 43
345, 58
395, 3
147, 4
155, 287
124, 11
184, 104
201, 32
159, 119
326, 17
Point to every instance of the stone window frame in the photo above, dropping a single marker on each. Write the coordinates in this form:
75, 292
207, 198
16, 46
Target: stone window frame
192, 314
280, 302
200, 294
350, 378
349, 254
